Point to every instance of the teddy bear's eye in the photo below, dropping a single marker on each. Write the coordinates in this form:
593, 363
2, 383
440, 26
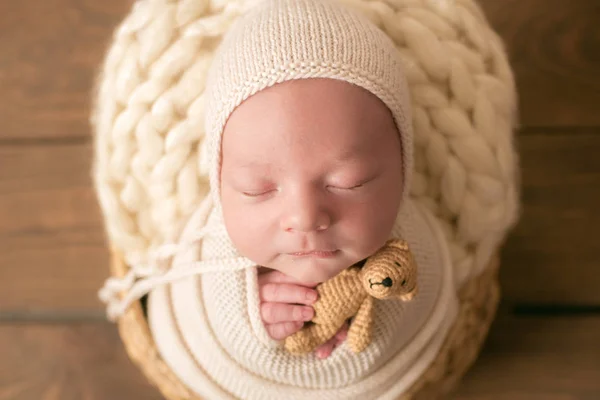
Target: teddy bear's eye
397, 264
403, 282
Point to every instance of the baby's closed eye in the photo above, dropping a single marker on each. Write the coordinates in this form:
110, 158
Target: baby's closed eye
257, 193
347, 187
255, 188
351, 185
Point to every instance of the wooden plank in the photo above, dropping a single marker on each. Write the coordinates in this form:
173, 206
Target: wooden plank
53, 257
51, 50
80, 361
531, 358
537, 358
553, 47
552, 256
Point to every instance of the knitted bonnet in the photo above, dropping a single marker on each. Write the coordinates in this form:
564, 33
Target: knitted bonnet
282, 40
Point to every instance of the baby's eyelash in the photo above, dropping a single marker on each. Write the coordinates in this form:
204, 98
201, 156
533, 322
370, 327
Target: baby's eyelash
358, 186
256, 194
252, 194
346, 188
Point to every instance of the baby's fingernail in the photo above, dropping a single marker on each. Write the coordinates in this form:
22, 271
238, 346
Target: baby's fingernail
322, 354
311, 296
307, 313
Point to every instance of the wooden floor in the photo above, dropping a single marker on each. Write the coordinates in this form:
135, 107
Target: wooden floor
54, 341
525, 358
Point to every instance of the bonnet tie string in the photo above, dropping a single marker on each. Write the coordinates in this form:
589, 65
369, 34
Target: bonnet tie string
142, 278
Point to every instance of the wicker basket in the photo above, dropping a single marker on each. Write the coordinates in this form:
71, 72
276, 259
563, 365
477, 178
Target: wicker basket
478, 303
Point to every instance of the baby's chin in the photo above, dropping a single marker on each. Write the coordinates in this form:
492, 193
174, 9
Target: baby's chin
310, 279
313, 271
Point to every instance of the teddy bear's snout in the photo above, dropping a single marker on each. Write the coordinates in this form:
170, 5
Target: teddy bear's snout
387, 282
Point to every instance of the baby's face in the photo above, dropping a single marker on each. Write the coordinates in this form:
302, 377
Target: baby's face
311, 177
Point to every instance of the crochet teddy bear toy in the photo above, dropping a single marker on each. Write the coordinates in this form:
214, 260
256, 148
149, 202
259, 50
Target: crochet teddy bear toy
390, 273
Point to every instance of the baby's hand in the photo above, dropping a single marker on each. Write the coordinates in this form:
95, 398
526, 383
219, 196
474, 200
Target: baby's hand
286, 305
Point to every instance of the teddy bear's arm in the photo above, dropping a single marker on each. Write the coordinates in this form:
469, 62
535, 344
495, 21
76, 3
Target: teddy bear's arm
359, 334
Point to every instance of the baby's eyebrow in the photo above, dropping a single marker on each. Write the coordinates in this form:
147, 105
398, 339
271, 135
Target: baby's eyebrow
253, 164
352, 153
349, 154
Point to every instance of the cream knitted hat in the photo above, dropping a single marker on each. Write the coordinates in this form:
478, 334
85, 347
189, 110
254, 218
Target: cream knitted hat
282, 40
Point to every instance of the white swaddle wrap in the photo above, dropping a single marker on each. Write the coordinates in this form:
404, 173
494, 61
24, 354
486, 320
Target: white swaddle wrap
209, 331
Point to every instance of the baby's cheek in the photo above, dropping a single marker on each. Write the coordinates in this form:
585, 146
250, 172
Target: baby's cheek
371, 236
245, 230
369, 225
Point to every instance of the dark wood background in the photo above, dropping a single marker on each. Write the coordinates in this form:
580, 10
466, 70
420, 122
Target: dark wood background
54, 341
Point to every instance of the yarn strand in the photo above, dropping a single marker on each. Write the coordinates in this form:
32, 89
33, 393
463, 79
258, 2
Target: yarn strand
142, 278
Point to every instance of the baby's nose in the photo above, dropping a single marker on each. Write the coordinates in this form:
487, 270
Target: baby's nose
305, 215
306, 221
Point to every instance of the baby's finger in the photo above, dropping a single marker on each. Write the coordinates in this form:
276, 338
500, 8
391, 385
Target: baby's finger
324, 350
273, 313
341, 335
287, 293
280, 277
283, 329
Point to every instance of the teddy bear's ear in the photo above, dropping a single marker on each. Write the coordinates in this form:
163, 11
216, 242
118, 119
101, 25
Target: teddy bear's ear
398, 244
